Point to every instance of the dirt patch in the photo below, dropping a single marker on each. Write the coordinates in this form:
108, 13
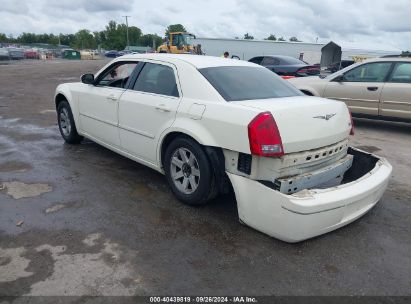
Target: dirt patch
55, 208
19, 190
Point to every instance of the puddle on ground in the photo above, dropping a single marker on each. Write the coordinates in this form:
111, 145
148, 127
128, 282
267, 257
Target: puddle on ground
19, 190
14, 166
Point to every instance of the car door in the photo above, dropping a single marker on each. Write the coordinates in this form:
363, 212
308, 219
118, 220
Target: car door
360, 88
396, 95
147, 109
98, 103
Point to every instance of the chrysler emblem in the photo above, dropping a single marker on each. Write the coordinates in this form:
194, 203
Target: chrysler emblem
326, 117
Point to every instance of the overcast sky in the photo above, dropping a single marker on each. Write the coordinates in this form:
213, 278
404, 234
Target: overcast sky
361, 21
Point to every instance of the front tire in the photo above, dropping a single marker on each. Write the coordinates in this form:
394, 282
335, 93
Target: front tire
66, 124
189, 172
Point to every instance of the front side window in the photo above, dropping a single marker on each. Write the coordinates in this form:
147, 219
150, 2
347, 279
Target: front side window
401, 73
157, 79
370, 72
236, 83
117, 75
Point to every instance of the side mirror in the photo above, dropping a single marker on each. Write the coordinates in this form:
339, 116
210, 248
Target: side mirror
339, 78
87, 78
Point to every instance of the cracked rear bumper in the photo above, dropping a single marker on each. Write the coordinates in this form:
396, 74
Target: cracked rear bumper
309, 213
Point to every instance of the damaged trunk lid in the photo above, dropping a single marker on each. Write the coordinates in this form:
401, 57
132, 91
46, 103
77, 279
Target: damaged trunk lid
306, 122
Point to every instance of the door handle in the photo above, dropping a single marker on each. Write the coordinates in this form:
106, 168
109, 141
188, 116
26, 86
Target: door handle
372, 88
112, 97
163, 108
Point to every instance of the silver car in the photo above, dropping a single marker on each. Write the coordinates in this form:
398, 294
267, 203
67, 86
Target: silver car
376, 88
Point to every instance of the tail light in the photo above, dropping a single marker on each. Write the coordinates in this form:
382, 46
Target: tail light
287, 77
352, 122
302, 71
264, 136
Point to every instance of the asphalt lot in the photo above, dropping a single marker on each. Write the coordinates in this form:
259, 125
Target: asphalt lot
82, 220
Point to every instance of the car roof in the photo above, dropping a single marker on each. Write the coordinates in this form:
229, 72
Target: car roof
198, 61
388, 59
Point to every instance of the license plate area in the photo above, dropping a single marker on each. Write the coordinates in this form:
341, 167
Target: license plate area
292, 184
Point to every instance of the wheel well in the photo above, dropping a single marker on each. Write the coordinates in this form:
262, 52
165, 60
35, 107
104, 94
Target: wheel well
215, 155
59, 98
168, 139
308, 93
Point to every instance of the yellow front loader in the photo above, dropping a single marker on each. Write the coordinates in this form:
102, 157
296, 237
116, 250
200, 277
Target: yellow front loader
180, 43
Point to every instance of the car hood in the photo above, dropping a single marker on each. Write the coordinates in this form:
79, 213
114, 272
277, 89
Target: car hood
306, 122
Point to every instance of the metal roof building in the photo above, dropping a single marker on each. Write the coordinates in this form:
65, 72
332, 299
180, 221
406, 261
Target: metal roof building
310, 52
246, 49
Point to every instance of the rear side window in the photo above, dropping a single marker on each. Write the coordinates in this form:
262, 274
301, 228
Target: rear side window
401, 73
248, 83
370, 72
157, 79
270, 61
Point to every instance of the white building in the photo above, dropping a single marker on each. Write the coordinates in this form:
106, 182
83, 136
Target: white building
312, 53
247, 49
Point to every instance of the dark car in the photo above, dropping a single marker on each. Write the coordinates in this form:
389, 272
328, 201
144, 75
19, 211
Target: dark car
112, 54
339, 65
286, 66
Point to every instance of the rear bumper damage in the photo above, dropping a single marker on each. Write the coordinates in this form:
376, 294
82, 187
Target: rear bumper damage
311, 212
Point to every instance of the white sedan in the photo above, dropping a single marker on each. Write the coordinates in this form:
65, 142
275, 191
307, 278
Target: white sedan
208, 123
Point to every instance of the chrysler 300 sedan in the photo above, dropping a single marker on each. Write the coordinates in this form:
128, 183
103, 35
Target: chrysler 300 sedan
213, 124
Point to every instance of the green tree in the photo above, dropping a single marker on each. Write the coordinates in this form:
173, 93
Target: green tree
67, 39
294, 39
134, 35
271, 37
3, 37
175, 28
83, 39
150, 39
281, 39
248, 36
115, 36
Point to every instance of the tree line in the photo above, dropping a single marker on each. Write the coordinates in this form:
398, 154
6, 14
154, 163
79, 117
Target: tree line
113, 37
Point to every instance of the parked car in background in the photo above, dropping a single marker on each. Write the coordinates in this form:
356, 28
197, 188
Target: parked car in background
31, 54
112, 54
16, 53
376, 88
206, 122
286, 66
339, 65
4, 54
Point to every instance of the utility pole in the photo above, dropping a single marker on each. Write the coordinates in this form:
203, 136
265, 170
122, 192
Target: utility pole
128, 42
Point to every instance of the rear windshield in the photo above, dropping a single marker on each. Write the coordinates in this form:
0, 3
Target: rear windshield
236, 83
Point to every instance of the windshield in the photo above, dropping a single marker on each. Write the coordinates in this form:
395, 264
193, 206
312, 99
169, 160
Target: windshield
236, 83
188, 39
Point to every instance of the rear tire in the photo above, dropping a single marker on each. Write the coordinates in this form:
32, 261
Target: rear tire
189, 172
66, 124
